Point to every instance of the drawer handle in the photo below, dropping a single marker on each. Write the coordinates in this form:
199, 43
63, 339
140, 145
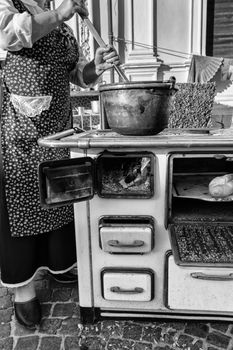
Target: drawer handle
117, 244
136, 290
203, 276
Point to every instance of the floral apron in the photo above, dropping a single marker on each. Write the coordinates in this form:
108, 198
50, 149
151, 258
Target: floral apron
36, 103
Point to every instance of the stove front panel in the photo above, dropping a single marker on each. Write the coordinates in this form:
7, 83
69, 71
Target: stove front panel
103, 288
94, 257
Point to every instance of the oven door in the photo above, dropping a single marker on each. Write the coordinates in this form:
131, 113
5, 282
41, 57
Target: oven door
199, 289
202, 244
66, 181
200, 226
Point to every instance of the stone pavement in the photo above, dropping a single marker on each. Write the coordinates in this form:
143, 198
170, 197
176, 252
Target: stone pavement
61, 329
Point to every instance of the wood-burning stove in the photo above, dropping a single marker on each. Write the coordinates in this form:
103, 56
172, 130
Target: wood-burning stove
151, 242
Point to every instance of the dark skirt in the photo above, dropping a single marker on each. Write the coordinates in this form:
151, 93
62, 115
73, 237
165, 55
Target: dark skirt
22, 257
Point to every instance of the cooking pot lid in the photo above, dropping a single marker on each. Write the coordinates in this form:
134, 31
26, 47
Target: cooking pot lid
137, 85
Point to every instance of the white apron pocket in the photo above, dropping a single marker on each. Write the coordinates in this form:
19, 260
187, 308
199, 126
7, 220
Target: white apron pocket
30, 106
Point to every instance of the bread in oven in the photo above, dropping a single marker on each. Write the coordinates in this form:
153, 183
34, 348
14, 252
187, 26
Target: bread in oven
221, 186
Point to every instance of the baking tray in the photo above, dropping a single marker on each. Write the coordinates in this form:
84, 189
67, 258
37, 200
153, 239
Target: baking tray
196, 187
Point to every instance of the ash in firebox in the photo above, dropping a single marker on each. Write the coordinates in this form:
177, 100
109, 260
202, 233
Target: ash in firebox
129, 177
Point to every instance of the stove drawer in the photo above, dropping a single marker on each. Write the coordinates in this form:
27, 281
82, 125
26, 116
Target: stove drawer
199, 289
126, 240
127, 285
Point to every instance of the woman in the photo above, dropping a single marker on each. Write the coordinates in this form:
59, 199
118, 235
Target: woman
43, 58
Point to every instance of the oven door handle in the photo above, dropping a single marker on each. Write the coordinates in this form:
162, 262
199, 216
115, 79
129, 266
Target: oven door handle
119, 290
203, 276
117, 244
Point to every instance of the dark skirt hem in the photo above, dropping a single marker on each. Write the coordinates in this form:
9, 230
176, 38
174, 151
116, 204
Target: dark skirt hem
20, 258
42, 268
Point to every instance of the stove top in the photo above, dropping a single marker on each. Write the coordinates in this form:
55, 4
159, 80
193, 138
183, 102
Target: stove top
169, 138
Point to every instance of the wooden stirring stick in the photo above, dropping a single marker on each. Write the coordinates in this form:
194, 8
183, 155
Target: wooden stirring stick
101, 43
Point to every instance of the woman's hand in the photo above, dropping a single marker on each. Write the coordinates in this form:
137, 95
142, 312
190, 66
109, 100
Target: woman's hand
105, 57
69, 7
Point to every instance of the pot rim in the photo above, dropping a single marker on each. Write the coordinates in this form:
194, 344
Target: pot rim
168, 85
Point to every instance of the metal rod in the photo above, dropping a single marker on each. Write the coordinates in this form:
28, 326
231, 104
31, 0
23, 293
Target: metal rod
101, 43
110, 34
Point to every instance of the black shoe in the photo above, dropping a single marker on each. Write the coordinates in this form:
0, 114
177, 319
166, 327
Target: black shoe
65, 278
28, 313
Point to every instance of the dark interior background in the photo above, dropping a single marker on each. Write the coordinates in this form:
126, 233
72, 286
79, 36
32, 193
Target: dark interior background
220, 28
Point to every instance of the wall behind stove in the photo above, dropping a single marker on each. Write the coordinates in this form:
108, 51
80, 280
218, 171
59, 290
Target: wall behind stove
155, 38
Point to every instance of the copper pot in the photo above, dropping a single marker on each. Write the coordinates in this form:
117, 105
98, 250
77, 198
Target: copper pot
137, 108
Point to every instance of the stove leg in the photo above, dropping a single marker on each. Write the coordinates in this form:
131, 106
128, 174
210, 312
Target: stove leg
89, 314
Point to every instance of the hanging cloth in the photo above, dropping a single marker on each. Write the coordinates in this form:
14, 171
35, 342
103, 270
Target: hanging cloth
203, 68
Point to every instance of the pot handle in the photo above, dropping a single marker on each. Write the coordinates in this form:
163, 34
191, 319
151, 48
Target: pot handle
172, 81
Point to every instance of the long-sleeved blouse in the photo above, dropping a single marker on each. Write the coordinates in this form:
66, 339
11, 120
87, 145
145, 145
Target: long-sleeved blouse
16, 33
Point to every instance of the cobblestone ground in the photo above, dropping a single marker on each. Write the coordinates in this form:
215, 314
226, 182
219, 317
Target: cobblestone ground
61, 330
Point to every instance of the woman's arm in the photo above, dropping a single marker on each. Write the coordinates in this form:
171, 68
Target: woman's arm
15, 27
44, 23
18, 30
